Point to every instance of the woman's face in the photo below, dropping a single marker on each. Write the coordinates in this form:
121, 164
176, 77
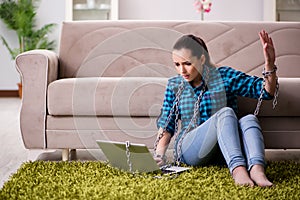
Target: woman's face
188, 66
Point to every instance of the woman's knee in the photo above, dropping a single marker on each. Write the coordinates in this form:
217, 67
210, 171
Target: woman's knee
226, 111
249, 121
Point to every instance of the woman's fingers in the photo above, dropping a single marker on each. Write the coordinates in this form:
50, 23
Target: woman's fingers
268, 47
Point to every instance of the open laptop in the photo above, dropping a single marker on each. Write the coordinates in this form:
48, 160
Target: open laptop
140, 157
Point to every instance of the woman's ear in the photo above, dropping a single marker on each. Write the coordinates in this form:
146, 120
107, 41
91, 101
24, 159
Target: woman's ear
202, 59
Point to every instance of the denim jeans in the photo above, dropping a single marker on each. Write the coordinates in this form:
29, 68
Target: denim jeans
240, 141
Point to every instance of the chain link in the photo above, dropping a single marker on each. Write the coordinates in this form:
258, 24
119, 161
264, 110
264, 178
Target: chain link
174, 109
196, 115
128, 156
193, 122
275, 101
260, 99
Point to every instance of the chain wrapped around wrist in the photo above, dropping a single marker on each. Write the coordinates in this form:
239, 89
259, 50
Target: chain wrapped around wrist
269, 73
266, 74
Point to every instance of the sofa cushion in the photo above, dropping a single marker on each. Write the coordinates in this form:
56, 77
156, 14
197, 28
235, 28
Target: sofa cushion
106, 96
287, 104
134, 96
115, 48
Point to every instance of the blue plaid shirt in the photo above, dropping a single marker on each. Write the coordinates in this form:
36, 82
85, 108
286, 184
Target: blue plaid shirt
223, 87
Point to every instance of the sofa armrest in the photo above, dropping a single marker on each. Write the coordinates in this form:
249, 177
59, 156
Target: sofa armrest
37, 68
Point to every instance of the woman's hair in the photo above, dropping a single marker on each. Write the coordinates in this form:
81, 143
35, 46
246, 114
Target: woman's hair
195, 44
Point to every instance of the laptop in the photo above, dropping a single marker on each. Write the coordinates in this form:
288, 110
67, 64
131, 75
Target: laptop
140, 158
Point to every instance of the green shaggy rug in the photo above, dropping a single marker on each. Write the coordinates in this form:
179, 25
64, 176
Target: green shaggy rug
97, 180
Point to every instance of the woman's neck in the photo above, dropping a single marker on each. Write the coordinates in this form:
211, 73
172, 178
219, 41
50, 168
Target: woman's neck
196, 82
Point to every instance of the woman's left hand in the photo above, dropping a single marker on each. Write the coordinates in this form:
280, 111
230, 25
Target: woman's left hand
268, 48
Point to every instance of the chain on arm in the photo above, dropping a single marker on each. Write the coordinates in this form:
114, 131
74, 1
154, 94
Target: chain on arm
175, 110
260, 99
193, 122
275, 101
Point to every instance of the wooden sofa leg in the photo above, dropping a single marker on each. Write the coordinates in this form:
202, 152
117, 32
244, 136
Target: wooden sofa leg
65, 154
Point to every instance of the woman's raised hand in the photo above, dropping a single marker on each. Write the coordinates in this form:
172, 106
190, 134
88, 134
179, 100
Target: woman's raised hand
268, 48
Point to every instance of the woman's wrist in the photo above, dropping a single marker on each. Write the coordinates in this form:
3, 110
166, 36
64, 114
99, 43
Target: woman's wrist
269, 66
161, 156
269, 70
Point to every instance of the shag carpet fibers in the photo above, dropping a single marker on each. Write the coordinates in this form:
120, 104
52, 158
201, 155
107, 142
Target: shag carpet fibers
97, 180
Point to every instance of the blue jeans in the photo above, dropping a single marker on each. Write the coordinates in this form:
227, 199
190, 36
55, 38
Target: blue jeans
240, 141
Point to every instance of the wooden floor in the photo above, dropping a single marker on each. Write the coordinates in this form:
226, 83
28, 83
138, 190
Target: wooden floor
12, 150
13, 153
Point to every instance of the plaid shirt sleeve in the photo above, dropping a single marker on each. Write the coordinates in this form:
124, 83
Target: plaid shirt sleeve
240, 84
166, 109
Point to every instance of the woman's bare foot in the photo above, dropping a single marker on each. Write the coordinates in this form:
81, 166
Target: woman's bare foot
241, 176
257, 174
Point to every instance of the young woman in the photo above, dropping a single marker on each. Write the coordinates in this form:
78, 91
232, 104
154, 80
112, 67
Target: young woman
204, 98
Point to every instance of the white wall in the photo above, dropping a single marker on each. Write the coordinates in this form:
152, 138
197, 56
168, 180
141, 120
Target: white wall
54, 11
8, 74
48, 12
222, 10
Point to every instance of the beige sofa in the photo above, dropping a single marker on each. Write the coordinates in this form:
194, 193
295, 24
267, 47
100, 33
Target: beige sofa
108, 80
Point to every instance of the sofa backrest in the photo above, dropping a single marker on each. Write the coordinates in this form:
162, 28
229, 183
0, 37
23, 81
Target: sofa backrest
143, 48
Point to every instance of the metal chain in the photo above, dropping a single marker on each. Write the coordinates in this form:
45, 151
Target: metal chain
160, 134
177, 154
177, 111
260, 99
193, 122
275, 101
128, 156
174, 109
